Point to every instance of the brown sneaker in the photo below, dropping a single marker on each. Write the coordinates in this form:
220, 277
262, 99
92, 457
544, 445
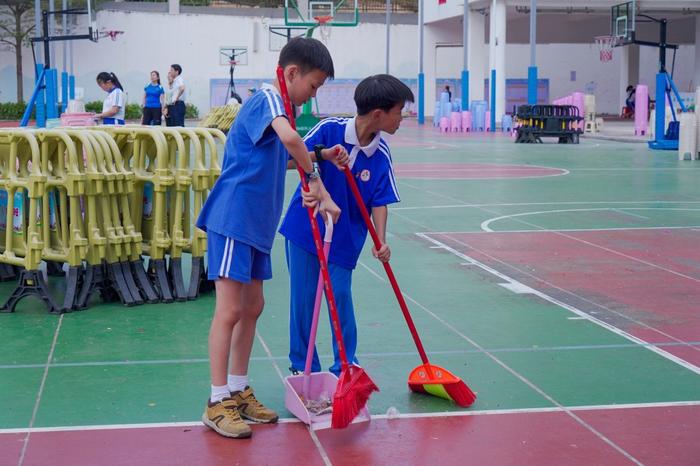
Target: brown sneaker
225, 419
251, 409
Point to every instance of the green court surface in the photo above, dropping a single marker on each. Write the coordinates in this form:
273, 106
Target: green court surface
148, 364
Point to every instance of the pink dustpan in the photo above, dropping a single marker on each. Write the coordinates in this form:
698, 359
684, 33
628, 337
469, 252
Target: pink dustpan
306, 394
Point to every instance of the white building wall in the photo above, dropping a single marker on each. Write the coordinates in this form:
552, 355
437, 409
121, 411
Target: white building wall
153, 41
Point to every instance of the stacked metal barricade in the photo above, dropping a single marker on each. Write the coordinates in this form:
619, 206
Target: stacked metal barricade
534, 122
81, 209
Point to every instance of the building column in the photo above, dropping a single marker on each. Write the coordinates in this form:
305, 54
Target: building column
174, 7
696, 75
497, 61
624, 54
476, 55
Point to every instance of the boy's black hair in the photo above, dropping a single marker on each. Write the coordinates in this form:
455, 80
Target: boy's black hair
177, 68
308, 54
381, 91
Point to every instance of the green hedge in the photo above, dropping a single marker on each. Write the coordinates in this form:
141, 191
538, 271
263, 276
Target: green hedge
191, 111
12, 111
133, 111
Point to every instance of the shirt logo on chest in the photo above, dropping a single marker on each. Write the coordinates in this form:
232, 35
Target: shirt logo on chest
364, 175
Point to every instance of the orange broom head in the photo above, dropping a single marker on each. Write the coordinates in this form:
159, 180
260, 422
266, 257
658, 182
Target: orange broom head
436, 381
351, 394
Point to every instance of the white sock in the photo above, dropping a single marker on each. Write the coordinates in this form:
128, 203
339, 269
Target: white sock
218, 393
237, 383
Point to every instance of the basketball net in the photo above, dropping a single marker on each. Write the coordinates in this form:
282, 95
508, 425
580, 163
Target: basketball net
111, 34
324, 27
605, 45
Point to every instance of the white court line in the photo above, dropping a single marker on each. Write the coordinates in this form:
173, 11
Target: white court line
384, 354
546, 297
571, 230
515, 373
550, 284
314, 438
25, 442
516, 204
486, 224
622, 211
439, 414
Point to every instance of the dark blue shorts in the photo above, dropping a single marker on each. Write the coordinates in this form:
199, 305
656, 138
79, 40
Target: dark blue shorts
229, 258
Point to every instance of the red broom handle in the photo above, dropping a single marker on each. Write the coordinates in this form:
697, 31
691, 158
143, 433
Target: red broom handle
387, 267
335, 320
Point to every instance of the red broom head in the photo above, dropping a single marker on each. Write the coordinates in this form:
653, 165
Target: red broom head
461, 394
351, 394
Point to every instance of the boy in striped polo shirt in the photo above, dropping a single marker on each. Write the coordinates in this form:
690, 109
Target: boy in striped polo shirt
379, 100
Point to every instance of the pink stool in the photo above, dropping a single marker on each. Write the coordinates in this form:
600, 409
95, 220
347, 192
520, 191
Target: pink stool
78, 119
466, 121
444, 124
455, 122
487, 122
641, 110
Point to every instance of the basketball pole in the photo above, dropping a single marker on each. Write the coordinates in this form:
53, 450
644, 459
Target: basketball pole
465, 57
421, 75
532, 70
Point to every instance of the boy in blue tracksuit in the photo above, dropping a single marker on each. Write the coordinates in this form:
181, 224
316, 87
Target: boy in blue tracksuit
241, 216
379, 100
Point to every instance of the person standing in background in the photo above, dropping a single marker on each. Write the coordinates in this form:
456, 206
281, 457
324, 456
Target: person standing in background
167, 105
153, 101
115, 103
176, 111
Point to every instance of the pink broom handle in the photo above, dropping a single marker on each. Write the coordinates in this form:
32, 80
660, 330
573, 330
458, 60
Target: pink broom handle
317, 309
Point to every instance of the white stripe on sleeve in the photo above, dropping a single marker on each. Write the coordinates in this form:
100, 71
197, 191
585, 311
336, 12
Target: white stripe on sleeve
271, 103
392, 178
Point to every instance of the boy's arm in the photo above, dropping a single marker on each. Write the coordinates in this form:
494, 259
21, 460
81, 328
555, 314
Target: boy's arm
379, 218
317, 195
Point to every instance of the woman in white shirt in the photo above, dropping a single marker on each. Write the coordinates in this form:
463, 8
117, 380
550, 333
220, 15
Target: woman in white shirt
115, 102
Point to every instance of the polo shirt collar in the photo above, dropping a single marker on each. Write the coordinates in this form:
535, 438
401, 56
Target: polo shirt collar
352, 139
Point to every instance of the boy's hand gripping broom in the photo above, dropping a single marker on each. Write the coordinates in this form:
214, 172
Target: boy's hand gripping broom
426, 378
354, 385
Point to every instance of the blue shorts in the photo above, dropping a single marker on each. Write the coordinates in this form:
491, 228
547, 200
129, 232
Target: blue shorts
236, 260
112, 121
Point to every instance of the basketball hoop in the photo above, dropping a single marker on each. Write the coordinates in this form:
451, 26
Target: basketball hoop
324, 27
605, 45
111, 34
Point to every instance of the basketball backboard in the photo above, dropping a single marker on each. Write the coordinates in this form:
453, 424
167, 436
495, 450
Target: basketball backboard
230, 55
623, 22
304, 12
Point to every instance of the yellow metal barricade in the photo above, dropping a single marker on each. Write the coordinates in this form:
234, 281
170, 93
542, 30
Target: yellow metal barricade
145, 153
23, 181
62, 223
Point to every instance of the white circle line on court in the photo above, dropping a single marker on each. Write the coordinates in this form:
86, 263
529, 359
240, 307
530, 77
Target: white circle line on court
440, 414
518, 204
487, 167
485, 225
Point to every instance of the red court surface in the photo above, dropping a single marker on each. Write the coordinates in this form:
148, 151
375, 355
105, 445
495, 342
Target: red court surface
472, 171
641, 281
543, 438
